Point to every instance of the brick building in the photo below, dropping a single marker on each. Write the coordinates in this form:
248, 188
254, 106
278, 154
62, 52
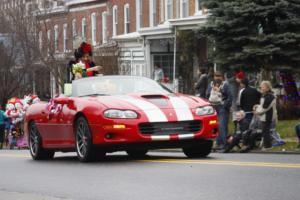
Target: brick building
143, 30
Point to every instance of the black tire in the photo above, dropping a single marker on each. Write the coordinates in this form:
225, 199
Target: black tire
199, 150
35, 145
137, 153
86, 152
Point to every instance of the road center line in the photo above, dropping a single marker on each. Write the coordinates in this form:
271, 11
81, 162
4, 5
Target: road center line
228, 163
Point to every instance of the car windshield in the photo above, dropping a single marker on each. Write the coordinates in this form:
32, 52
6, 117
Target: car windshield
116, 85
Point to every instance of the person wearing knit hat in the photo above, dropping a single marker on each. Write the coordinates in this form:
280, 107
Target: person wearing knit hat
239, 76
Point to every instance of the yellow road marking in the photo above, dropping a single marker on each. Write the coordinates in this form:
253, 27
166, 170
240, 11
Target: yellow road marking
229, 163
199, 162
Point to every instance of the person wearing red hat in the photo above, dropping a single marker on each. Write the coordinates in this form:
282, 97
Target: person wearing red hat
83, 55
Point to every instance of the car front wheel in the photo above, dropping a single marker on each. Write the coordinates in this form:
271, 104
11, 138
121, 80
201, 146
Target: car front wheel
199, 150
86, 152
35, 145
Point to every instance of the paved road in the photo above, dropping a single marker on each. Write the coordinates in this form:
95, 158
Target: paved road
160, 176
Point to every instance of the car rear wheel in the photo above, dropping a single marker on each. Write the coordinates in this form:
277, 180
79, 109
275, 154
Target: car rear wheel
35, 145
86, 152
198, 150
137, 153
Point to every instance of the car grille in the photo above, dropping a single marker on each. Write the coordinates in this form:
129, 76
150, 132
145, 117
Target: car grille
168, 128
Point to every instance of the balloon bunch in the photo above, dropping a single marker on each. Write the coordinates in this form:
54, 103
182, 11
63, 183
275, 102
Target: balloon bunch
15, 112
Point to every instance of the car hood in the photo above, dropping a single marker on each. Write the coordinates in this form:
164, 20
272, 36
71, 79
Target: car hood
151, 101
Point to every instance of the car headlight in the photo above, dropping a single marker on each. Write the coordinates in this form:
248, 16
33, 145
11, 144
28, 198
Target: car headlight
120, 114
206, 110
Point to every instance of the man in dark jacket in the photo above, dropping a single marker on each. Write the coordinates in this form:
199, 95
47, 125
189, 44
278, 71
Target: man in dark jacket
298, 134
202, 83
248, 97
223, 109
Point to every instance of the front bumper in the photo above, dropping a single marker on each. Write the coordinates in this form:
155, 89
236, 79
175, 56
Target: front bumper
121, 131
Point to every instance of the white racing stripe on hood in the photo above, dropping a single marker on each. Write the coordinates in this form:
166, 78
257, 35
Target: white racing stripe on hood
153, 112
182, 109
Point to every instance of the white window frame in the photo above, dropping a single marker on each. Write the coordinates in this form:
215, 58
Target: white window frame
168, 13
104, 27
197, 10
93, 28
115, 20
65, 35
56, 32
83, 28
126, 19
153, 16
184, 5
74, 28
139, 14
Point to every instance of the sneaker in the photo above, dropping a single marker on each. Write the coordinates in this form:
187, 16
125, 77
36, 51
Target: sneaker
265, 149
245, 149
277, 144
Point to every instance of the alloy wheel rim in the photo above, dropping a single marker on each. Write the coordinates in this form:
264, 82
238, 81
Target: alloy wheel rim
34, 142
81, 139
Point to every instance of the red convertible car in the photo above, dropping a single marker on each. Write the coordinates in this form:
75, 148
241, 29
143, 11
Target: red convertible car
120, 113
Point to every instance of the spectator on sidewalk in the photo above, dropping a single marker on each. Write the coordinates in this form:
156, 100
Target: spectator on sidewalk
248, 97
267, 112
2, 126
241, 132
222, 105
202, 83
235, 87
298, 134
158, 73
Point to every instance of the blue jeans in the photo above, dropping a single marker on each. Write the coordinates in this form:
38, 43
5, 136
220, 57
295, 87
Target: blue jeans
298, 131
223, 117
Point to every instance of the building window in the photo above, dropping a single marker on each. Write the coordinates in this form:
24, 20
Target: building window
198, 6
41, 40
104, 27
184, 8
169, 9
94, 30
56, 38
115, 20
48, 40
153, 13
74, 28
65, 33
83, 28
178, 2
162, 10
139, 15
126, 19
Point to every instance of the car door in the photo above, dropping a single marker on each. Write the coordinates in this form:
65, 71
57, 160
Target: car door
56, 126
